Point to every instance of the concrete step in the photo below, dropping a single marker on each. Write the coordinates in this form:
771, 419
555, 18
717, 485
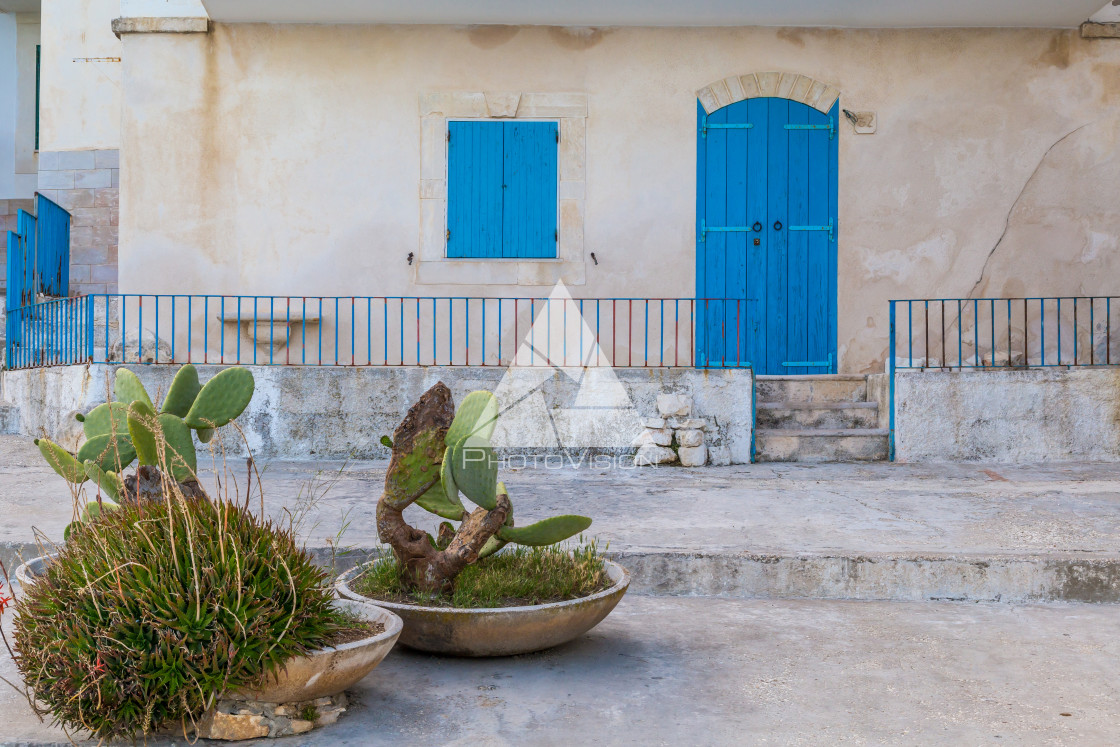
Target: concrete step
900, 576
817, 415
848, 445
814, 388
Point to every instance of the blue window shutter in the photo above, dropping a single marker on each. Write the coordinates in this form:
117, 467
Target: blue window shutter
501, 189
529, 214
474, 189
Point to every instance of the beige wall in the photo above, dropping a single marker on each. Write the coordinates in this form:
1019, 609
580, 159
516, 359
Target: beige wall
80, 96
286, 159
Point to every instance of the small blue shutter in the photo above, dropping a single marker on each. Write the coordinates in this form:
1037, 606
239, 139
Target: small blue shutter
474, 189
529, 215
501, 189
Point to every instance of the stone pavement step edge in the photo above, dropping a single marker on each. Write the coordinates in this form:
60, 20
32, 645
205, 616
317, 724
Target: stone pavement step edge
1013, 579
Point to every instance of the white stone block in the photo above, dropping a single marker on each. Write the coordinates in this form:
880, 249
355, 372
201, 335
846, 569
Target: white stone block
653, 422
669, 405
655, 436
693, 456
719, 456
688, 424
502, 104
650, 455
690, 438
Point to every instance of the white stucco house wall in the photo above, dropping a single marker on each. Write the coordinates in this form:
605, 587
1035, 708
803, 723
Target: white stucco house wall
775, 172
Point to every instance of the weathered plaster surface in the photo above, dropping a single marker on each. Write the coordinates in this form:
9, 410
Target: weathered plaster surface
81, 81
303, 413
1008, 416
268, 159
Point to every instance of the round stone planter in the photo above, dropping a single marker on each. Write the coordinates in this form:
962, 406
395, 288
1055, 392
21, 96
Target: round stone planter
26, 573
319, 674
330, 670
499, 631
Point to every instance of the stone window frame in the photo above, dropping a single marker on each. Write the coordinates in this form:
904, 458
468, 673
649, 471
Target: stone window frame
434, 267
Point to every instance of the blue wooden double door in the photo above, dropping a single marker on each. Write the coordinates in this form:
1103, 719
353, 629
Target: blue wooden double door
766, 237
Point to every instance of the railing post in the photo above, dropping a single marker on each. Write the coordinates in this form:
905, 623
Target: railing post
91, 318
890, 363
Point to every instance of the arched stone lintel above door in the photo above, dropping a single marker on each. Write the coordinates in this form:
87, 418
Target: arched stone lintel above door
793, 86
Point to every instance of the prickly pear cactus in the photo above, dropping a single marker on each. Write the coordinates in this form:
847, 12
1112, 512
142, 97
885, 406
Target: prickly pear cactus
130, 429
437, 457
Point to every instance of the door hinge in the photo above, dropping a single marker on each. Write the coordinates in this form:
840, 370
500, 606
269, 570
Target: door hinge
831, 127
831, 228
557, 135
738, 126
449, 234
449, 136
556, 235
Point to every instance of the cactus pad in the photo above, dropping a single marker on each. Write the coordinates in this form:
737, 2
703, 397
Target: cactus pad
61, 461
222, 399
93, 509
475, 470
110, 482
477, 416
106, 418
184, 389
129, 389
108, 452
180, 455
546, 532
143, 427
417, 469
435, 501
205, 434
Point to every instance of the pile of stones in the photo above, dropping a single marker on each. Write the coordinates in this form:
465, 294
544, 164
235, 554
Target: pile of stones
234, 720
674, 436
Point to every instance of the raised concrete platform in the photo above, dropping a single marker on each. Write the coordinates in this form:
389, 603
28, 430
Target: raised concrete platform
671, 670
832, 531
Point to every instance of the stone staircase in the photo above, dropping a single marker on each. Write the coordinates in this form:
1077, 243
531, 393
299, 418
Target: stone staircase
817, 418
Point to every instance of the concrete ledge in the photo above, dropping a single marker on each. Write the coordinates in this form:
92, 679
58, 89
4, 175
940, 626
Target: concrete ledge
1090, 30
1025, 416
154, 25
342, 412
1005, 578
1013, 579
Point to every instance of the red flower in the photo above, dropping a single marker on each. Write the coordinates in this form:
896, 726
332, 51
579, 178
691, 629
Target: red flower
4, 601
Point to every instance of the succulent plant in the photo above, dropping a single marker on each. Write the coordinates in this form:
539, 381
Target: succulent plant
438, 454
129, 428
153, 612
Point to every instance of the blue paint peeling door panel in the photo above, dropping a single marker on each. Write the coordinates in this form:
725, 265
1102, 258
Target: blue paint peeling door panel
766, 173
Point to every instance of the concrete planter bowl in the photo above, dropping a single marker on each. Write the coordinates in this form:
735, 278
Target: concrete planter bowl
333, 669
327, 671
498, 631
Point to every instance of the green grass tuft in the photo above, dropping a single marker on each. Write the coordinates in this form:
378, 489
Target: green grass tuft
514, 577
153, 611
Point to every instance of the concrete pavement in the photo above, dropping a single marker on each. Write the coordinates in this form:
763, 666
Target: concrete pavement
839, 531
696, 671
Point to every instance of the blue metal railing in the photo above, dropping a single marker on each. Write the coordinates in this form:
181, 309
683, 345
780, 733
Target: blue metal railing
50, 333
401, 331
985, 334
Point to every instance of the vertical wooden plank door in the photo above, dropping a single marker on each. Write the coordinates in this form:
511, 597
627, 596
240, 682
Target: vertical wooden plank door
766, 237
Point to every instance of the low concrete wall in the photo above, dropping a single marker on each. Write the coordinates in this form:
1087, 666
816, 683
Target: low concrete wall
1039, 415
302, 413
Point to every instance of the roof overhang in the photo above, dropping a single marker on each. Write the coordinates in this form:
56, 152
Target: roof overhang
824, 13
